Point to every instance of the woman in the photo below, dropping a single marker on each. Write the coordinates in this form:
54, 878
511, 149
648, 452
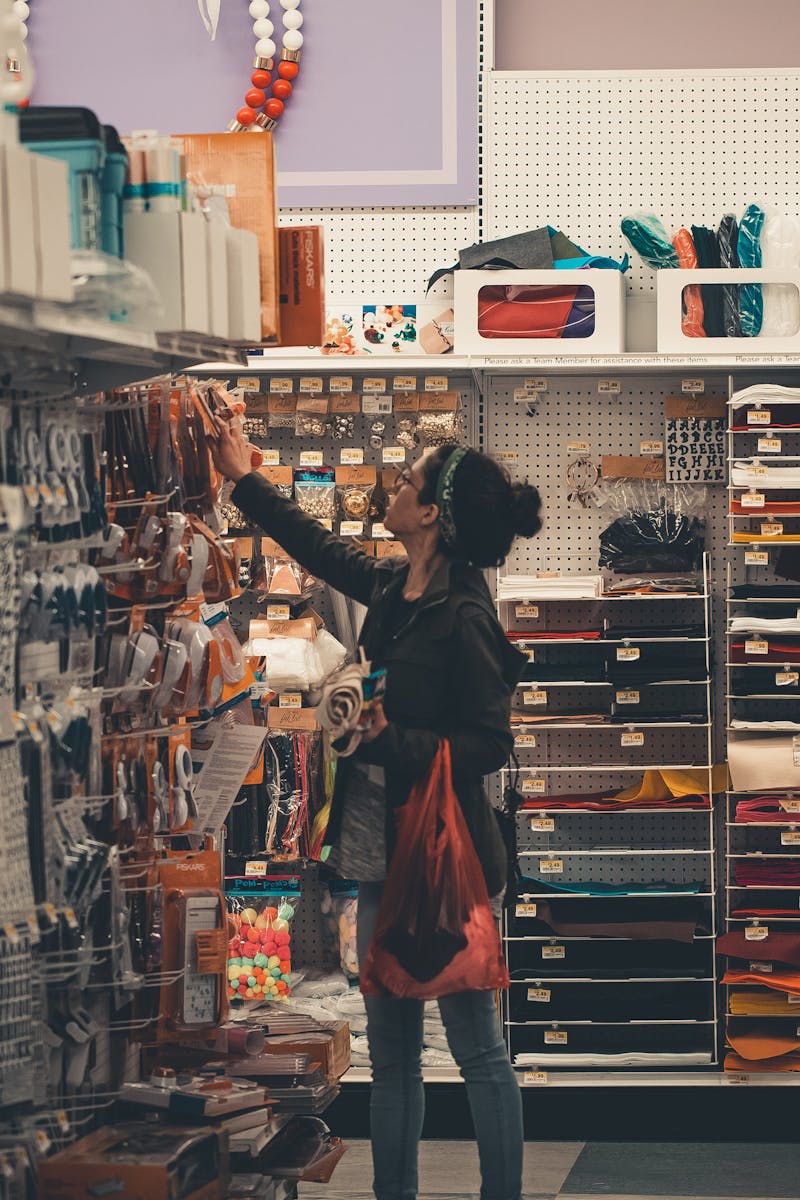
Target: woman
450, 672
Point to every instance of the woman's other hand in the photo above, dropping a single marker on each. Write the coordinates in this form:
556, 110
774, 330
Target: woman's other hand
233, 456
379, 723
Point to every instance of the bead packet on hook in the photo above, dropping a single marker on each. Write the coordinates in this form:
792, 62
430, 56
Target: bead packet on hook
260, 915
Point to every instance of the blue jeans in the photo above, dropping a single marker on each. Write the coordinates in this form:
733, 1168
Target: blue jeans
397, 1103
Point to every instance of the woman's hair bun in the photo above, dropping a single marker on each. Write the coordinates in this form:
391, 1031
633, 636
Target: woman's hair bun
526, 509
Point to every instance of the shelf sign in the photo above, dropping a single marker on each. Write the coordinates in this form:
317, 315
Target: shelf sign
281, 387
373, 385
534, 698
555, 1037
271, 458
538, 995
692, 386
609, 387
525, 741
352, 456
760, 968
771, 528
278, 612
578, 447
788, 805
542, 824
790, 837
534, 383
525, 909
770, 445
529, 611
405, 383
756, 933
311, 458
290, 700
628, 653
535, 787
534, 1078
651, 447
554, 951
756, 646
530, 654
341, 383
632, 739
310, 383
756, 558
759, 416
551, 866
628, 697
753, 500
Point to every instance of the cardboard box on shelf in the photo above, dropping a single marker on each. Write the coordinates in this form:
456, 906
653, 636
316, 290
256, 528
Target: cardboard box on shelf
241, 167
302, 288
329, 1046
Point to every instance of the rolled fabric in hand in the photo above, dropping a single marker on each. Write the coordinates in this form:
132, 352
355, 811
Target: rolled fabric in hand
339, 711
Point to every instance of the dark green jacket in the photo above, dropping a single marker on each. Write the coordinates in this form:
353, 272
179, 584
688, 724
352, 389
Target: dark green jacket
450, 669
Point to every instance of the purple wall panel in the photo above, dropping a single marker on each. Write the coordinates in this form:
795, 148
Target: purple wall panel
384, 113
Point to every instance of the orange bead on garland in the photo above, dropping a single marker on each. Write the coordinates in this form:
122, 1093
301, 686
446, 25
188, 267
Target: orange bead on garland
264, 102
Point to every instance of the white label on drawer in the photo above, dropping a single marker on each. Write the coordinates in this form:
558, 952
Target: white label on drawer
790, 837
341, 383
693, 385
278, 612
435, 383
542, 824
533, 787
538, 995
376, 405
771, 528
310, 383
352, 456
756, 558
535, 383
311, 458
609, 387
753, 500
373, 384
534, 698
393, 454
271, 458
526, 610
525, 909
578, 447
525, 741
788, 805
651, 447
535, 1078
405, 383
555, 1037
759, 416
756, 646
760, 968
628, 697
379, 530
770, 445
628, 653
632, 739
554, 952
281, 386
351, 528
290, 700
756, 933
551, 866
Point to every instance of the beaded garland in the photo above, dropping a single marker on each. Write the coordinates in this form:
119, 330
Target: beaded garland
264, 102
16, 23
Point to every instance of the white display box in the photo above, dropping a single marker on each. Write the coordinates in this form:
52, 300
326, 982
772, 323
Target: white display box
609, 320
669, 291
172, 248
18, 270
51, 214
217, 250
244, 286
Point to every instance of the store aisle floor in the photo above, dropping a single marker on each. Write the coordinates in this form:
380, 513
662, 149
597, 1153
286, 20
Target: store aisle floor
578, 1171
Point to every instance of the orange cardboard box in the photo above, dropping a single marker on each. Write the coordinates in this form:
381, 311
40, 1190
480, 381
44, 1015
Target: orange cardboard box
242, 166
302, 285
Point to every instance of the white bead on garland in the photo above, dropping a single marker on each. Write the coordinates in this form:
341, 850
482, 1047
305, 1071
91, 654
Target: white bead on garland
258, 111
18, 79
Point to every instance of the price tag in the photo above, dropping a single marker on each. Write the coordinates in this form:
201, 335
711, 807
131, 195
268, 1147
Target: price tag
758, 470
525, 741
506, 455
351, 528
756, 646
789, 805
530, 654
753, 500
525, 909
609, 387
50, 912
373, 384
311, 458
63, 1120
535, 384
535, 1078
760, 968
756, 933
771, 528
756, 558
770, 445
43, 1142
632, 739
255, 868
796, 750
555, 1037
578, 447
526, 611
786, 678
352, 456
530, 699
271, 458
628, 697
435, 383
340, 383
278, 612
651, 448
11, 933
290, 700
551, 866
792, 999
33, 925
759, 416
379, 530
628, 653
554, 952
310, 383
393, 454
70, 918
543, 824
538, 995
691, 386
736, 1079
405, 383
533, 787
281, 386
790, 837
376, 405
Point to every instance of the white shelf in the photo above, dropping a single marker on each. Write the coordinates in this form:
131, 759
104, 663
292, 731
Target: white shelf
712, 1076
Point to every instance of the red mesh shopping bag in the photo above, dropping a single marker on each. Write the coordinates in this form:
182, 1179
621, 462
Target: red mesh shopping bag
435, 933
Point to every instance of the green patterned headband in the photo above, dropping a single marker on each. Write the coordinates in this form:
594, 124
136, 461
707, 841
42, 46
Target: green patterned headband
444, 496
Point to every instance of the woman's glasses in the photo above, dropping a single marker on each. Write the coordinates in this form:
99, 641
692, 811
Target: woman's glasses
401, 478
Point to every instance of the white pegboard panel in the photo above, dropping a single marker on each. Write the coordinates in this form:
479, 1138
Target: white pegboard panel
580, 150
388, 254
